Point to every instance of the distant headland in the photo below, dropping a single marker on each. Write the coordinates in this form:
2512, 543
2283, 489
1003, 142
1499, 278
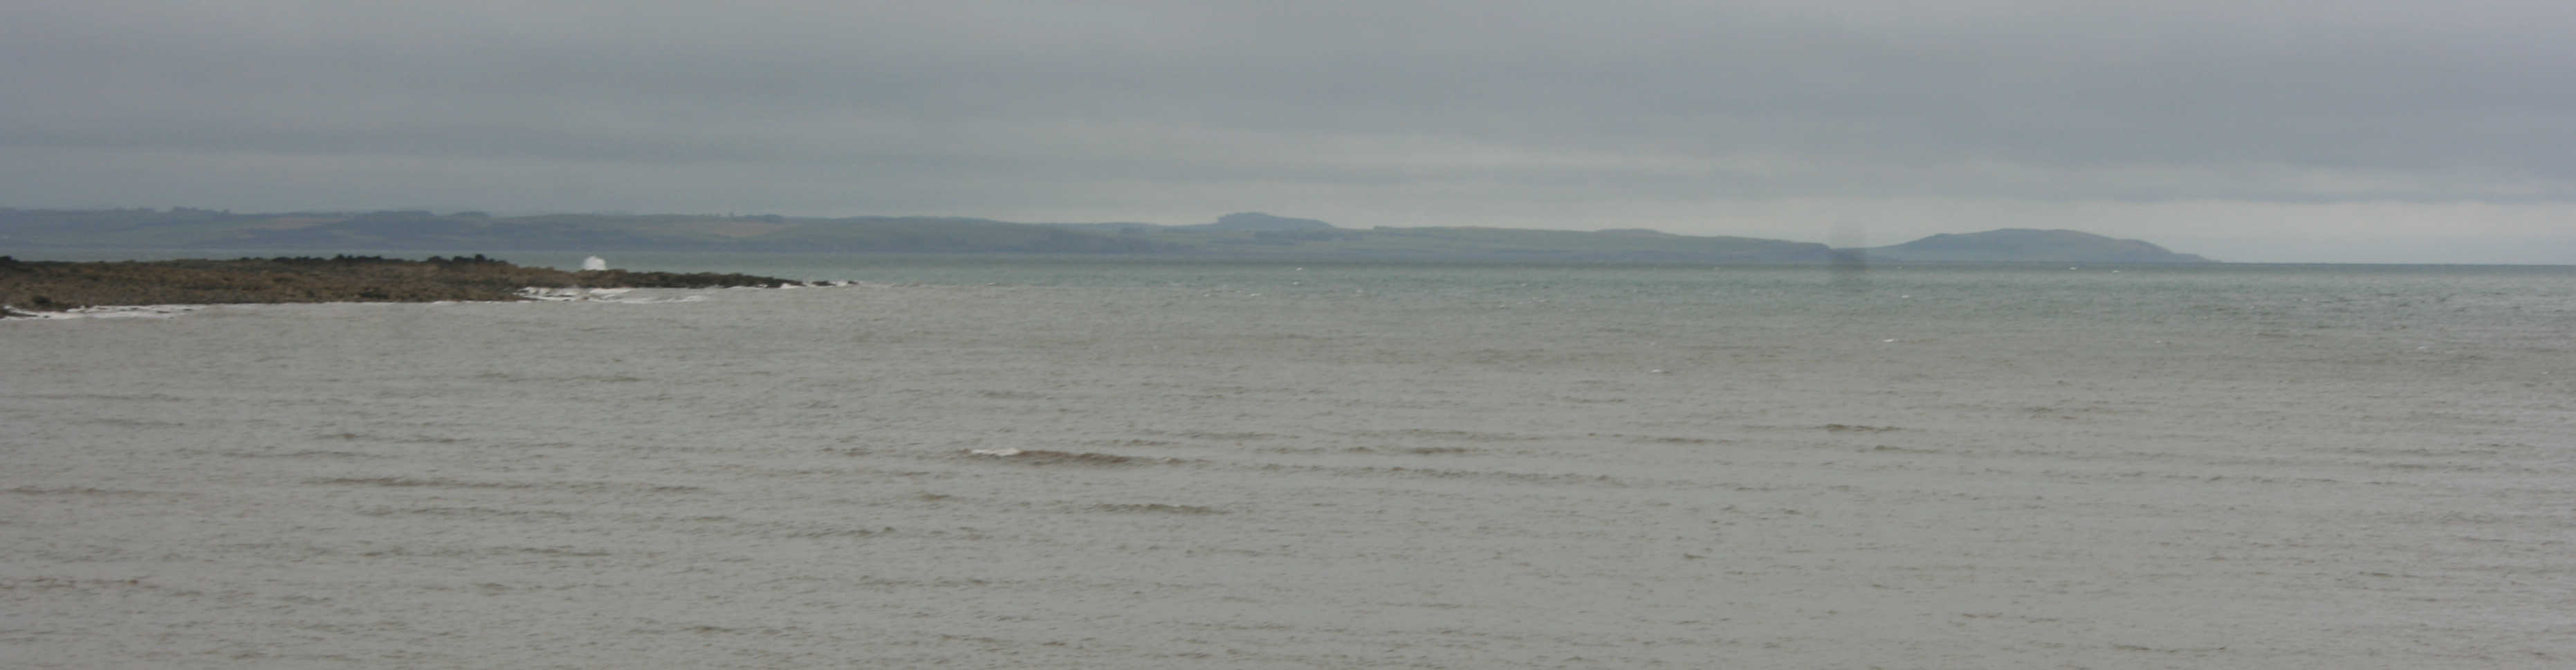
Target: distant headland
51, 286
1245, 234
2023, 244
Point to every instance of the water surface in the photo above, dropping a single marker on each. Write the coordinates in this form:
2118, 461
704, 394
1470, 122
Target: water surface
1344, 465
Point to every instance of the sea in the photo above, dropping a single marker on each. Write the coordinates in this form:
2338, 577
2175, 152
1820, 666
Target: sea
1037, 461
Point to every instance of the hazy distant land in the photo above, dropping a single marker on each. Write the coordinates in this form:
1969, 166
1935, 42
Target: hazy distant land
2023, 244
1235, 235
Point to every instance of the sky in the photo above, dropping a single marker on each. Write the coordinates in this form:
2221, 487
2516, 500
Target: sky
2243, 130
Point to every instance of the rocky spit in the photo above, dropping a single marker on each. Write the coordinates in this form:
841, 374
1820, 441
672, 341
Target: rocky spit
32, 288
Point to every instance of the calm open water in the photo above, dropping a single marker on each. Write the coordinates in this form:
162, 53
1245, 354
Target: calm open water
1326, 465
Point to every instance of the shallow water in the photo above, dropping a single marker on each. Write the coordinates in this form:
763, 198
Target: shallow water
1335, 466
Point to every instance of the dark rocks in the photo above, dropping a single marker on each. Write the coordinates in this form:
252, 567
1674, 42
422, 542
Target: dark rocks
54, 286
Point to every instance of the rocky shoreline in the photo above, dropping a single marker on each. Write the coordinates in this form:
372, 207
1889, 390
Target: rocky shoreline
28, 287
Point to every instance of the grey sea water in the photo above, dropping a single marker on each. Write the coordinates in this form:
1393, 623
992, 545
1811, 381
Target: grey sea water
1328, 465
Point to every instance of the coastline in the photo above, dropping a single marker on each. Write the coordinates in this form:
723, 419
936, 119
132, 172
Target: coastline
54, 289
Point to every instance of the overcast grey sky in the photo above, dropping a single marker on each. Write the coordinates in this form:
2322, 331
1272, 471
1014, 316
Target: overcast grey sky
2360, 130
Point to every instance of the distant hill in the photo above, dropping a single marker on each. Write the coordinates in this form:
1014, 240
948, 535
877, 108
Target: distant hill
1260, 221
2028, 245
1241, 235
183, 228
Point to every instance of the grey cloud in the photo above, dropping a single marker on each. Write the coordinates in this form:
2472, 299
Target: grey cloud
1011, 103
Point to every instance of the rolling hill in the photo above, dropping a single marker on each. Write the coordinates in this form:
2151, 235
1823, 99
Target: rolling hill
2028, 245
1241, 235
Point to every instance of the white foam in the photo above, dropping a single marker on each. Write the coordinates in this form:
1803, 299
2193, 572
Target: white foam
111, 312
616, 295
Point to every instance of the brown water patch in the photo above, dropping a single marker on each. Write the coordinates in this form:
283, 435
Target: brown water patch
1156, 508
1133, 443
411, 482
298, 454
1677, 440
1047, 457
581, 487
86, 491
1223, 436
469, 512
1462, 435
414, 439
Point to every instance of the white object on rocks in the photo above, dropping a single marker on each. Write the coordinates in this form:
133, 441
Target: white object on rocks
594, 263
574, 294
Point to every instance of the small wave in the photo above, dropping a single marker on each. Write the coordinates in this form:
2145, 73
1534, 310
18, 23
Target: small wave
109, 312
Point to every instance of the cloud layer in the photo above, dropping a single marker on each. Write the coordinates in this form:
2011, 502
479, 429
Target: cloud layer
2250, 126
